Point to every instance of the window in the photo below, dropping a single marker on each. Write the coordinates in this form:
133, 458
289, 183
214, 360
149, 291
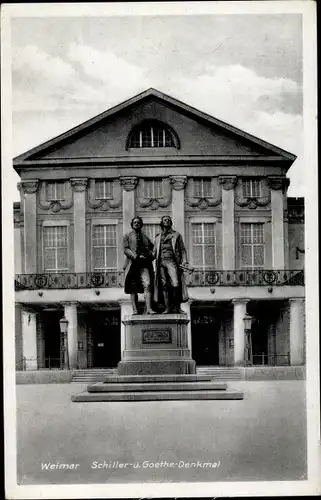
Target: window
55, 248
251, 188
203, 244
151, 136
202, 188
56, 191
103, 190
252, 245
151, 230
153, 188
104, 243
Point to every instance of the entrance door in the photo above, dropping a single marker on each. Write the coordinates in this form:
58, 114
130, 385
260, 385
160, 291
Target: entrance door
205, 337
106, 339
52, 339
260, 342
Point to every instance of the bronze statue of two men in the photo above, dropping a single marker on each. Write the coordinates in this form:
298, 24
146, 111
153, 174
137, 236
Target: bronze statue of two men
164, 285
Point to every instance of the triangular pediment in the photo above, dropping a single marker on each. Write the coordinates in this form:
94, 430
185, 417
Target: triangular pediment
104, 137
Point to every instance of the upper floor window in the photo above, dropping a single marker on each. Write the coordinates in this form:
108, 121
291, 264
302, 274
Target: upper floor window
203, 244
251, 188
55, 191
55, 248
104, 247
202, 188
152, 135
153, 188
103, 190
252, 245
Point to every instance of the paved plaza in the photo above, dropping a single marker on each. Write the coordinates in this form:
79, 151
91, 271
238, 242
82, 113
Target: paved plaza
260, 438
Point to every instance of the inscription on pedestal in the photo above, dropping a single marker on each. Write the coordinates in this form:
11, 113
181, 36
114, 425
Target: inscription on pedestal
157, 336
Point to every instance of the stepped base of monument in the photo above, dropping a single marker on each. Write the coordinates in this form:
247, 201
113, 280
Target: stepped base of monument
157, 388
147, 367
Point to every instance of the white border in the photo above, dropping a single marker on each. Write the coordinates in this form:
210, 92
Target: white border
310, 486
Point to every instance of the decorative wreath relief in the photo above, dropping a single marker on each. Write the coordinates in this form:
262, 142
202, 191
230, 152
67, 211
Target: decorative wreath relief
253, 202
55, 205
212, 199
113, 202
161, 200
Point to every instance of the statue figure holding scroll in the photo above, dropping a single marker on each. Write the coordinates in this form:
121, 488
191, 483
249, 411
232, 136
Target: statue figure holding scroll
171, 257
139, 274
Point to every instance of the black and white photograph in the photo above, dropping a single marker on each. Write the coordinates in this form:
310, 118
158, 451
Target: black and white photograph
159, 173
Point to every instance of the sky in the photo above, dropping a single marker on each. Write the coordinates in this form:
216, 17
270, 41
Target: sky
243, 69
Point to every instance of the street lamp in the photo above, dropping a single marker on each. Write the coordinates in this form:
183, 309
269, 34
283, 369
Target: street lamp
64, 331
248, 358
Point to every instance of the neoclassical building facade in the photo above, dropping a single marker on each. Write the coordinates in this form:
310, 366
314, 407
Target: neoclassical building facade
152, 155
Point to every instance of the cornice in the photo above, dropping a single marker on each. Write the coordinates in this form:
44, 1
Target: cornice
151, 161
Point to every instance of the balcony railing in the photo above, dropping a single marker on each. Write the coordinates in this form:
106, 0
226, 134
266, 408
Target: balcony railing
257, 277
53, 281
115, 279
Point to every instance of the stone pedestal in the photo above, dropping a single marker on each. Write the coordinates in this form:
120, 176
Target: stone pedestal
156, 344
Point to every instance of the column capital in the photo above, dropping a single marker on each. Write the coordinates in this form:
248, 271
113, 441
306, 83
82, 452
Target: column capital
28, 186
227, 182
277, 182
79, 184
240, 300
296, 299
27, 309
178, 182
71, 303
129, 183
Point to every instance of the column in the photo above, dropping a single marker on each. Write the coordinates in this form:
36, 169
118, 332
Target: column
28, 190
186, 307
79, 187
228, 230
41, 342
29, 339
297, 333
239, 334
129, 185
18, 336
70, 312
277, 185
178, 183
125, 310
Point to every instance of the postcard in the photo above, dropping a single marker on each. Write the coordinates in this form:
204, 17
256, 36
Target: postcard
160, 243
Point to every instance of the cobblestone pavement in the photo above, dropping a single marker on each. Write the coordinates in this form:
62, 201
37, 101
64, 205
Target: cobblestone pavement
260, 438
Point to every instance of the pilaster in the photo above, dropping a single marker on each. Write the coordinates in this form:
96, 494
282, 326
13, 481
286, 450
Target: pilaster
228, 226
278, 185
28, 190
80, 258
129, 186
178, 183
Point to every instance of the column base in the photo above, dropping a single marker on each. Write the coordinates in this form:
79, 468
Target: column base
31, 364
